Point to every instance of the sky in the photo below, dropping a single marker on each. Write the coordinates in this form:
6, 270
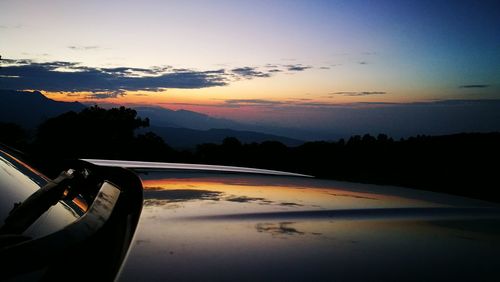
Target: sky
281, 62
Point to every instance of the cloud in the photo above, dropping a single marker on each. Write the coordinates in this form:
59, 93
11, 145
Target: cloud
355, 94
36, 55
83, 48
104, 95
249, 72
292, 103
252, 102
363, 63
126, 71
286, 67
295, 103
474, 86
297, 67
72, 77
62, 76
317, 104
302, 99
11, 26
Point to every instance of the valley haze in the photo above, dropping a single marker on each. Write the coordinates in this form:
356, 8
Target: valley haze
186, 129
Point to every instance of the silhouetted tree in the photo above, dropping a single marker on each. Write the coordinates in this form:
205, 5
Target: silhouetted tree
149, 146
457, 164
230, 151
97, 133
13, 135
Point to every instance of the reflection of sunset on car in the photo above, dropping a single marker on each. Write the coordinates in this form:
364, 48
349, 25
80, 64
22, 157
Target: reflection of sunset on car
265, 194
292, 228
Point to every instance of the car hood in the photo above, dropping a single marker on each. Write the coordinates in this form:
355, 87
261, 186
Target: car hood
215, 226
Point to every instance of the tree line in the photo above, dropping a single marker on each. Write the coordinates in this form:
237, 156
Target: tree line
463, 164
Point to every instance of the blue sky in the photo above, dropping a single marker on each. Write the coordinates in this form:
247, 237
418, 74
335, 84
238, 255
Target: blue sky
275, 55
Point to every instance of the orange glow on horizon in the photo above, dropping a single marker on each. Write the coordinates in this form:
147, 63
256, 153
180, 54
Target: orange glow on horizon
267, 97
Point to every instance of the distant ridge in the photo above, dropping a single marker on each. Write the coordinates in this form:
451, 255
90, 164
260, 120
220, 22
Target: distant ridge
180, 129
163, 117
30, 108
185, 138
183, 118
185, 129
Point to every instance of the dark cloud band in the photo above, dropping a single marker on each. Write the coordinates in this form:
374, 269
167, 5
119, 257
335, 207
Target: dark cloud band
249, 72
363, 93
474, 86
72, 77
297, 67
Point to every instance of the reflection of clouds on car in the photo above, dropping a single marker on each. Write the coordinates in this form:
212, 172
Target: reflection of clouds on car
245, 199
352, 196
276, 229
181, 195
157, 196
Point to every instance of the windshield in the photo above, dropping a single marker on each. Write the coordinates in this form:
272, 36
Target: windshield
17, 182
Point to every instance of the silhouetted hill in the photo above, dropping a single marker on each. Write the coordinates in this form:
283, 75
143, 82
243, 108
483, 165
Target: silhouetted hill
186, 138
29, 109
163, 117
399, 120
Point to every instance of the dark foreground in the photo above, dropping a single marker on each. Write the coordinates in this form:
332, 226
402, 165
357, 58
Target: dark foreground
220, 224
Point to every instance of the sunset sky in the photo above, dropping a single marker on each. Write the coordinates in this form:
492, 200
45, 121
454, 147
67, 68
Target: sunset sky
252, 60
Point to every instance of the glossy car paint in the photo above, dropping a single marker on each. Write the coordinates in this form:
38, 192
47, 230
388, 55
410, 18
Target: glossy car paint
70, 239
216, 226
17, 182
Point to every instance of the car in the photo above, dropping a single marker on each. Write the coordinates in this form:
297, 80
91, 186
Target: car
142, 221
77, 224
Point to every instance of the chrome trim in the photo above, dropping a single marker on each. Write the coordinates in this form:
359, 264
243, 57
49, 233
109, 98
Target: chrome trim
184, 166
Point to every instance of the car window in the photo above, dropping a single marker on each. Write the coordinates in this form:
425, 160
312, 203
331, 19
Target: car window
17, 182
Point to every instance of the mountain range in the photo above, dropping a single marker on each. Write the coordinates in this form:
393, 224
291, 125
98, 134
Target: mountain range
29, 109
183, 128
186, 138
163, 117
179, 128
